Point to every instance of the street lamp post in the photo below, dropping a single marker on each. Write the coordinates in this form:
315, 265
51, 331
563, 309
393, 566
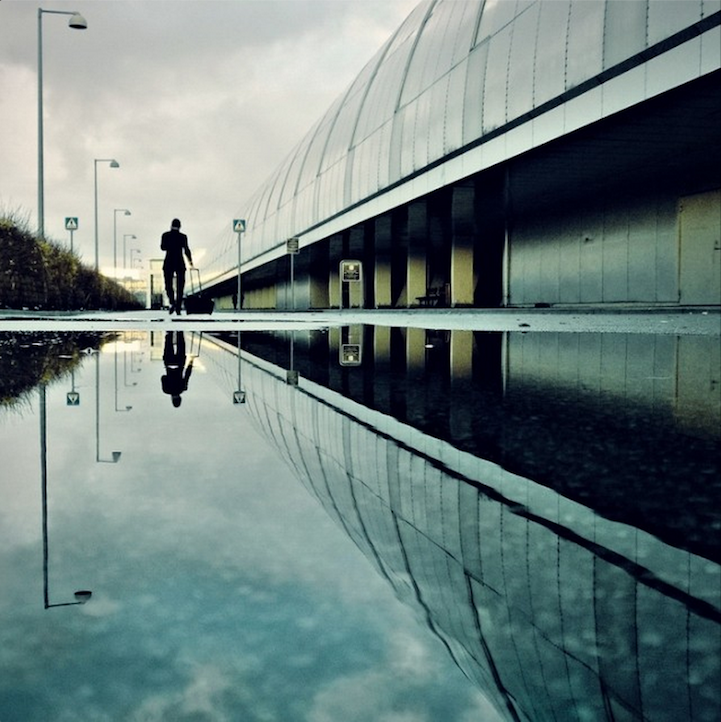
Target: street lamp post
113, 164
77, 22
115, 239
133, 259
125, 236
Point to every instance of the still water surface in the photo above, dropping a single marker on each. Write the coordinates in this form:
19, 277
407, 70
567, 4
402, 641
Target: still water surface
359, 524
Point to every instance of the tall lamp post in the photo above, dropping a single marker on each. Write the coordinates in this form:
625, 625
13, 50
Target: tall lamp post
113, 164
77, 22
126, 236
115, 238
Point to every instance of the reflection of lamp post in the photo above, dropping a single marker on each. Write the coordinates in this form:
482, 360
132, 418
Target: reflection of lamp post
113, 164
127, 408
77, 22
133, 259
115, 454
115, 239
125, 368
81, 596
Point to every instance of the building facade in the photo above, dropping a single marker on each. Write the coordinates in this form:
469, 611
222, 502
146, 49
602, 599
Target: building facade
505, 153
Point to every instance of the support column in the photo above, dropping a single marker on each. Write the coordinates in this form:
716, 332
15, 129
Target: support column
462, 245
335, 256
318, 272
356, 242
417, 262
382, 272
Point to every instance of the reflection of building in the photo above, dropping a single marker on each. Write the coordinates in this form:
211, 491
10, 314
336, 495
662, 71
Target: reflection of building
558, 609
506, 153
156, 284
135, 284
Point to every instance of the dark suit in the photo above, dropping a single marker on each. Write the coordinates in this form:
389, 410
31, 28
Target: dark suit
177, 376
175, 244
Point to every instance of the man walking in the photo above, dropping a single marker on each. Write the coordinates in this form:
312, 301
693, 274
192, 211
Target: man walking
175, 244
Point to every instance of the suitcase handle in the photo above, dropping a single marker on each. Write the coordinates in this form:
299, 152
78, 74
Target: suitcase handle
192, 285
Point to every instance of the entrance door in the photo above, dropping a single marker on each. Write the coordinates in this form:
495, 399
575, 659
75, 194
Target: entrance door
700, 249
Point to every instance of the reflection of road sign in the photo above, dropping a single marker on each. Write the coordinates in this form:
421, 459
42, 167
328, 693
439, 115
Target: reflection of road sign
350, 271
238, 225
291, 377
350, 354
238, 397
72, 398
292, 245
71, 223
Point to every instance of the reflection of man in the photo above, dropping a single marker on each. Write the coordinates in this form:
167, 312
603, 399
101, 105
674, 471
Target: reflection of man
176, 376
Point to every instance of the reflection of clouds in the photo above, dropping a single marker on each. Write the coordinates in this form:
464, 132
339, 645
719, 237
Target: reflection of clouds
200, 699
102, 606
221, 589
401, 689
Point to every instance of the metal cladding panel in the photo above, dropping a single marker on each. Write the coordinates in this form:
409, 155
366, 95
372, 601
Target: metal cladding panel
584, 52
670, 16
521, 74
458, 70
625, 29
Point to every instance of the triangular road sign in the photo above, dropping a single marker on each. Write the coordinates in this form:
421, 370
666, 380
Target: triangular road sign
72, 398
71, 224
238, 225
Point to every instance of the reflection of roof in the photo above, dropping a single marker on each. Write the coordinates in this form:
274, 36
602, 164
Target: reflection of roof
530, 592
455, 75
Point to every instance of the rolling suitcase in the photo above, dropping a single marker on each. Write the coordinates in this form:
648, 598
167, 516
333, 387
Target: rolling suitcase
197, 303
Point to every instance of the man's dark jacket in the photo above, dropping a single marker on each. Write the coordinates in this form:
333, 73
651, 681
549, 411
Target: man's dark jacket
174, 243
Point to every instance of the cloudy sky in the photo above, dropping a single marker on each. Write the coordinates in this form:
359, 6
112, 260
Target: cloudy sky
198, 100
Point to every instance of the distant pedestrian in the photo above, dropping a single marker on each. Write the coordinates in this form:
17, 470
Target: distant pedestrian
175, 244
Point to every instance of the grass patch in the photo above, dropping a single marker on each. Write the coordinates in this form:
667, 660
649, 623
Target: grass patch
40, 274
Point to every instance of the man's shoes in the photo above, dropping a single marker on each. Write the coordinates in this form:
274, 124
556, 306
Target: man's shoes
171, 309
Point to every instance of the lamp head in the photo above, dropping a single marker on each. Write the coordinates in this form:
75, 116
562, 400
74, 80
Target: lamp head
83, 596
114, 164
78, 22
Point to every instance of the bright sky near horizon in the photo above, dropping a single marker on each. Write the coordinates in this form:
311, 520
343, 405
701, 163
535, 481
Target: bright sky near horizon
198, 101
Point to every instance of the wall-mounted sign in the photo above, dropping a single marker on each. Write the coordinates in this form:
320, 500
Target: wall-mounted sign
351, 271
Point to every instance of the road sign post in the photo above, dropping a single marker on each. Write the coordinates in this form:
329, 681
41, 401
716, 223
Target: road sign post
239, 228
71, 224
292, 247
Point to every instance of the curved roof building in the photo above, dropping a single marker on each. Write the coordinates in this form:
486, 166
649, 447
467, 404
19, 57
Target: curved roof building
465, 85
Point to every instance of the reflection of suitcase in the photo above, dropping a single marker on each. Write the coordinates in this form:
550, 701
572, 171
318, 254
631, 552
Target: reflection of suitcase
197, 303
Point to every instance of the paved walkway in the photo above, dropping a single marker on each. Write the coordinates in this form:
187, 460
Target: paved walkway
690, 321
